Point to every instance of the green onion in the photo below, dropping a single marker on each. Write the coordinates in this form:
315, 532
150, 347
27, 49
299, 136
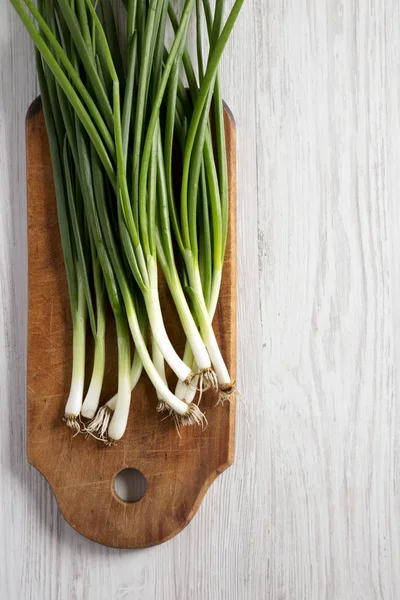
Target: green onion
118, 115
92, 399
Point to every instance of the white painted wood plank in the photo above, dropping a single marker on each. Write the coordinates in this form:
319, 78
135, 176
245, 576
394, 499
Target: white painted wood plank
311, 508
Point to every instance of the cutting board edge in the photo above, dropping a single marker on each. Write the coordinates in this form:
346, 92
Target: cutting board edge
35, 108
118, 546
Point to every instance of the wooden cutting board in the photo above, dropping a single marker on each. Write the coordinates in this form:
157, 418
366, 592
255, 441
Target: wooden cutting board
81, 472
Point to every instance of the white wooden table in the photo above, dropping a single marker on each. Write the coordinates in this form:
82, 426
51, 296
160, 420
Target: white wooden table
311, 509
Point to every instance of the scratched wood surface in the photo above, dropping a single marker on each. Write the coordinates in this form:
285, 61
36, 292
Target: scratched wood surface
178, 469
311, 508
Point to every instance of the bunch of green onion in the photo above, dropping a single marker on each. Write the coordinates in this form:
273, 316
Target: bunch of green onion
118, 109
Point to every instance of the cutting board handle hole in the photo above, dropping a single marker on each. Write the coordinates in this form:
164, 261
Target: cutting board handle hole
130, 485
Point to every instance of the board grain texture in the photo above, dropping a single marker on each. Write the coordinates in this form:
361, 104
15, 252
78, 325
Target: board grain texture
179, 468
310, 510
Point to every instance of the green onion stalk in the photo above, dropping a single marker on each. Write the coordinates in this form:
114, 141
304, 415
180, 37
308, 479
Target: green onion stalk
166, 255
198, 135
75, 269
190, 177
139, 212
98, 425
92, 399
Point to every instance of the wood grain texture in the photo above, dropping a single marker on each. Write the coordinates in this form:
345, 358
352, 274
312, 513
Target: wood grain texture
311, 508
81, 471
